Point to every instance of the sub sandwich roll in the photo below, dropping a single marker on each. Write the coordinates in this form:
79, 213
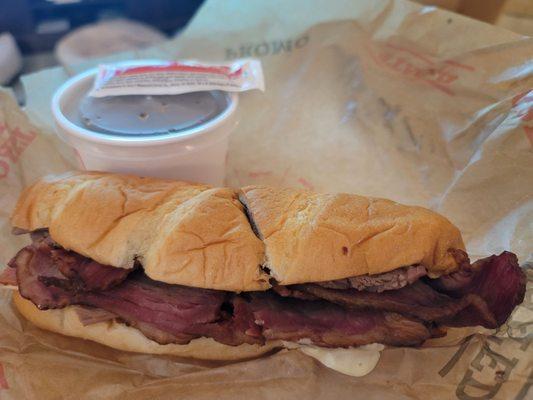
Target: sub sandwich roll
311, 237
159, 266
181, 233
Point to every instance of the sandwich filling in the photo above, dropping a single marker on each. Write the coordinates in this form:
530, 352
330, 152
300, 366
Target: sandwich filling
401, 308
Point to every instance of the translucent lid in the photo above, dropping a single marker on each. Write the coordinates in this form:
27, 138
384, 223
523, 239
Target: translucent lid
151, 115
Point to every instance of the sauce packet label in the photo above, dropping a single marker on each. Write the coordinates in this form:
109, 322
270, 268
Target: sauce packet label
177, 77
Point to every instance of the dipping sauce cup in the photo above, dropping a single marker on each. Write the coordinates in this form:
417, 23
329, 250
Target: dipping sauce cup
181, 137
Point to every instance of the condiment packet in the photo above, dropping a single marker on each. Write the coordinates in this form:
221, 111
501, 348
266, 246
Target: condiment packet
178, 77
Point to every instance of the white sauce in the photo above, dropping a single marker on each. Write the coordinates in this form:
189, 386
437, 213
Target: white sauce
357, 361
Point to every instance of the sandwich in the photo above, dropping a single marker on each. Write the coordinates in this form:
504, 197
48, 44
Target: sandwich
167, 267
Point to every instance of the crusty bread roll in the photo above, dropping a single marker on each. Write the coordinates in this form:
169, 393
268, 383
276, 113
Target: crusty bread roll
122, 337
194, 235
313, 237
181, 233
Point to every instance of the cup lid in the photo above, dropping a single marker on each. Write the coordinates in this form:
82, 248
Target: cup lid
150, 114
139, 120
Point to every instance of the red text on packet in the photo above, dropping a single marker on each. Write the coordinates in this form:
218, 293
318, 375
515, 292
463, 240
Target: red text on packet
179, 67
12, 147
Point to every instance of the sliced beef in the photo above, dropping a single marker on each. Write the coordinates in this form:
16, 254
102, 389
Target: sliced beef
482, 294
54, 278
177, 314
91, 315
292, 291
49, 275
418, 300
326, 324
183, 312
153, 332
34, 266
86, 273
497, 280
80, 272
381, 282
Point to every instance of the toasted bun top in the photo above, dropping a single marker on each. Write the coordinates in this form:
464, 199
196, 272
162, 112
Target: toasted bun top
194, 235
182, 233
122, 337
313, 237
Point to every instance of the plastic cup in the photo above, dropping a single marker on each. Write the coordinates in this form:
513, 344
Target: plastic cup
181, 137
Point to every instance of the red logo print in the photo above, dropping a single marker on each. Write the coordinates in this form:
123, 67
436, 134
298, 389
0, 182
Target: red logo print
439, 74
12, 148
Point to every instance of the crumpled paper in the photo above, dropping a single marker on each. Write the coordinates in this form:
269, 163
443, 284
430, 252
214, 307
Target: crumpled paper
383, 98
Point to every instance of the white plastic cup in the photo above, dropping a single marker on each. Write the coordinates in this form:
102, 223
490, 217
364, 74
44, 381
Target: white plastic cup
197, 154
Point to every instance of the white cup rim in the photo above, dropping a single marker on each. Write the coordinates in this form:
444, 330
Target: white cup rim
70, 128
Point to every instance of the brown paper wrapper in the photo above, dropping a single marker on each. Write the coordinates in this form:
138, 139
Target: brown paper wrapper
382, 98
